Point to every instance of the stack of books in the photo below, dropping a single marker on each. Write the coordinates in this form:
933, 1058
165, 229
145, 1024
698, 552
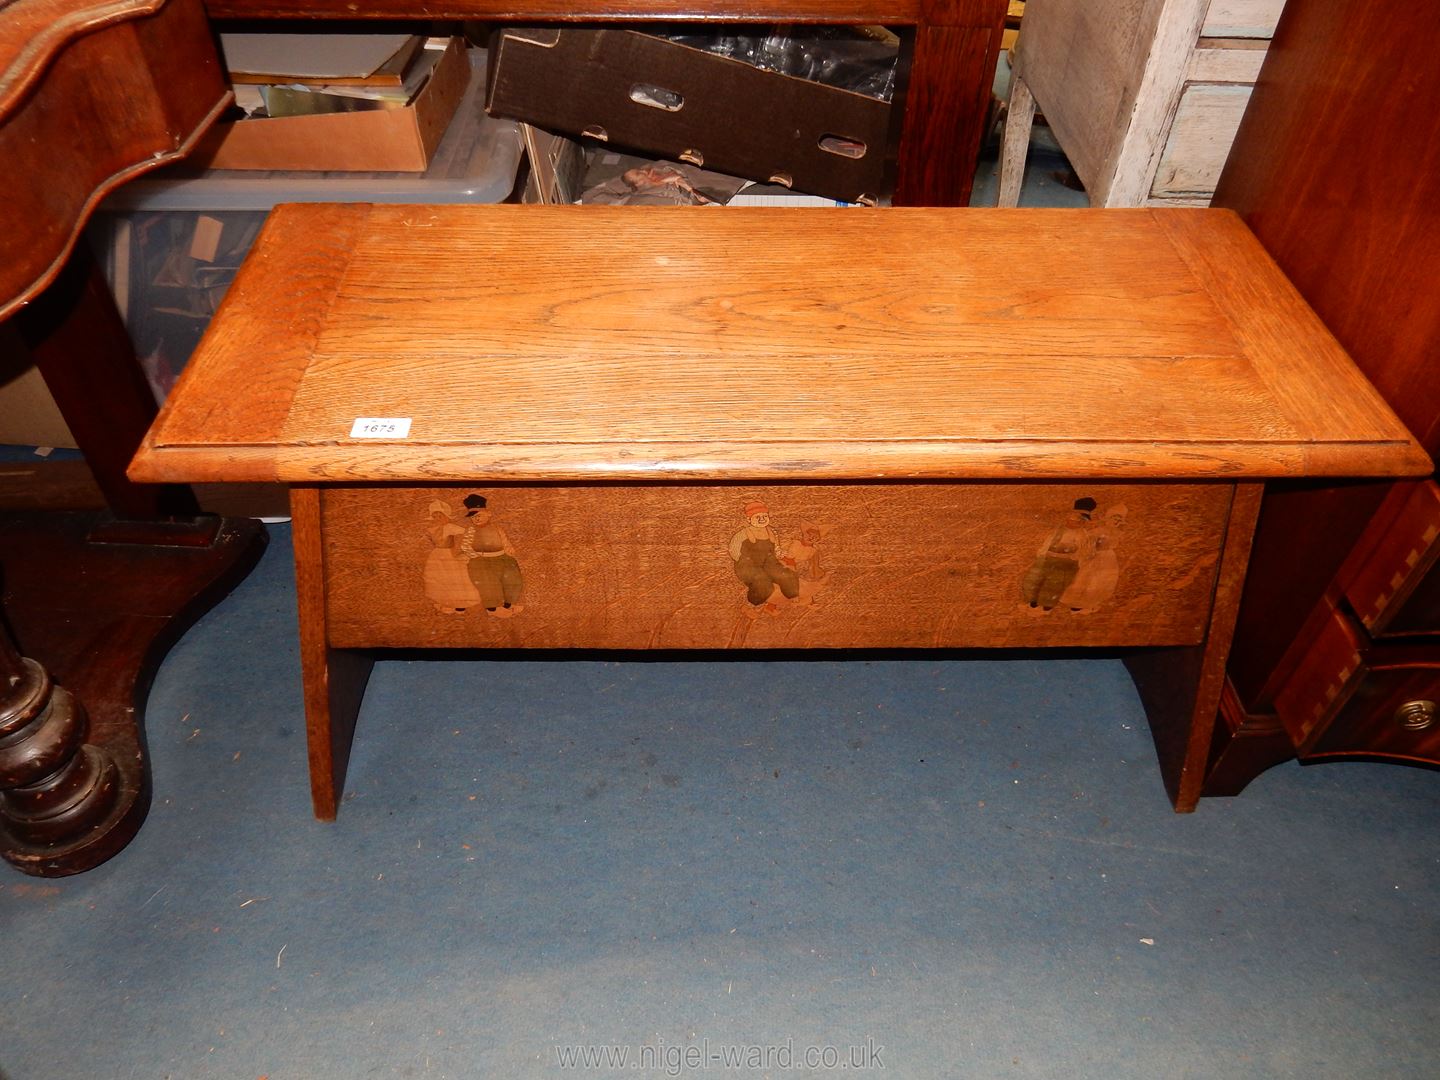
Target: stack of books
305, 74
336, 102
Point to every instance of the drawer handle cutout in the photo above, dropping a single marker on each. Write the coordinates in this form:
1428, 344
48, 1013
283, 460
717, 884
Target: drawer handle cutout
1416, 715
657, 97
843, 147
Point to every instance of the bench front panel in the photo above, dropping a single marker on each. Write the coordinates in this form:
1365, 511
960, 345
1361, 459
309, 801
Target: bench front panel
982, 565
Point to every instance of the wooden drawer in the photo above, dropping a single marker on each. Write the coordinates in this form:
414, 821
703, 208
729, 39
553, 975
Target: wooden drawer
1242, 18
1200, 138
1352, 697
831, 566
1392, 581
1227, 60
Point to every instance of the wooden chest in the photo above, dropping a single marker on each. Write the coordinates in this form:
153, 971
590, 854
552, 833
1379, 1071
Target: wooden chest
1144, 96
557, 427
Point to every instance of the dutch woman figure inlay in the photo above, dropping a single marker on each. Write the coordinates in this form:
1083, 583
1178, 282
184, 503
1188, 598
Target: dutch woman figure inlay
447, 582
1095, 582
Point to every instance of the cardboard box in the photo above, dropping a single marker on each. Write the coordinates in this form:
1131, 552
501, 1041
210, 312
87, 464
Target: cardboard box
28, 414
382, 140
633, 90
557, 167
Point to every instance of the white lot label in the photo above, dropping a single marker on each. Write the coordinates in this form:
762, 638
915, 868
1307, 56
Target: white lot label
381, 427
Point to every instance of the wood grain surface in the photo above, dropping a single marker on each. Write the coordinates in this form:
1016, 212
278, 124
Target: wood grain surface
1242, 18
1085, 64
1342, 194
943, 105
91, 94
1145, 127
565, 343
877, 565
1202, 129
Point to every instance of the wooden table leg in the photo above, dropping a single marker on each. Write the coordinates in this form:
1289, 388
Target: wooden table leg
1181, 687
96, 598
334, 678
1015, 146
952, 70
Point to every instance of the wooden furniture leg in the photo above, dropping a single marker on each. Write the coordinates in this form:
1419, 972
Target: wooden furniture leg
1181, 687
1244, 746
78, 340
1015, 146
98, 598
55, 787
334, 679
952, 68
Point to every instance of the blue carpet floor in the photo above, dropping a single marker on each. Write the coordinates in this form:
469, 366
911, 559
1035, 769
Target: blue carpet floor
945, 868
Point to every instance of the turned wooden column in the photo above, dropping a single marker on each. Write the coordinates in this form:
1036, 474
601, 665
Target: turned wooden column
54, 786
92, 93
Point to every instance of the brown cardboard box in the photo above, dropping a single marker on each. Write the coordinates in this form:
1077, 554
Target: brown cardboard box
634, 90
28, 414
383, 140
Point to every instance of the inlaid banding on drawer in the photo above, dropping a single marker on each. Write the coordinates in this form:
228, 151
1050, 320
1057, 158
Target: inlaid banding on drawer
772, 566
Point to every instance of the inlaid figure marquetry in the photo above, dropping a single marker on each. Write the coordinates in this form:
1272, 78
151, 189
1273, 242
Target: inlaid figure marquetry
1077, 567
470, 564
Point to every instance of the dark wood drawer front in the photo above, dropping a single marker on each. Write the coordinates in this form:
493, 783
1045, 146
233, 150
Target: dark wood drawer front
1393, 581
1353, 697
1392, 711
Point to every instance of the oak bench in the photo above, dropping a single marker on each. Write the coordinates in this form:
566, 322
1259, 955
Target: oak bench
621, 428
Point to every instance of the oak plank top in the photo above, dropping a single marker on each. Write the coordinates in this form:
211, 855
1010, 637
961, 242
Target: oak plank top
589, 343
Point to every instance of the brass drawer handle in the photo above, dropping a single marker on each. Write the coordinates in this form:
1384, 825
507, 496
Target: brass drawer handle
1416, 715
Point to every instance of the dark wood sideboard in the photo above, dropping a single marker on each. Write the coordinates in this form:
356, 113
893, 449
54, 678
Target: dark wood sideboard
1336, 168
